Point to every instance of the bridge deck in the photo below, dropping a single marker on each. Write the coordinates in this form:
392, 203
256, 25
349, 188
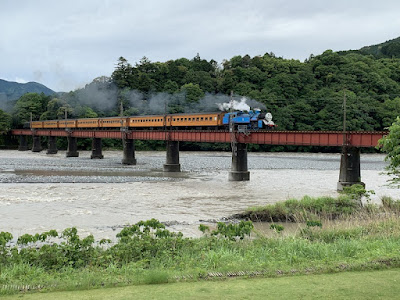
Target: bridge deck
298, 138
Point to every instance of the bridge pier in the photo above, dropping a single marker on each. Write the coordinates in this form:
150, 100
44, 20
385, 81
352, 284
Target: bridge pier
172, 164
128, 152
36, 144
23, 143
52, 145
350, 172
97, 149
239, 171
72, 147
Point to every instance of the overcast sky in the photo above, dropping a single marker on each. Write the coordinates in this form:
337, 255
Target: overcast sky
66, 44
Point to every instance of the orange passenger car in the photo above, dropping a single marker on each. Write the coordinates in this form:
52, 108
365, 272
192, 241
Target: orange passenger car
146, 121
87, 123
195, 120
67, 124
112, 122
50, 124
37, 124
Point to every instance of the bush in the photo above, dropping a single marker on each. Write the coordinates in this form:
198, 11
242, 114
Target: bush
307, 208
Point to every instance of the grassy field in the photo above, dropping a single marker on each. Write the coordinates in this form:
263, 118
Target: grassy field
382, 284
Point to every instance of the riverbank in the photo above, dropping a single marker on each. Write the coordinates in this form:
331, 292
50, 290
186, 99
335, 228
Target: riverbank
156, 256
363, 238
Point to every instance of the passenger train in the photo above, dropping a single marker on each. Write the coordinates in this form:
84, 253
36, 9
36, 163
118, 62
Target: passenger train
253, 120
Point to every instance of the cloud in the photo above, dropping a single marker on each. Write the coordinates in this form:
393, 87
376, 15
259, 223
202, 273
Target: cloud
70, 43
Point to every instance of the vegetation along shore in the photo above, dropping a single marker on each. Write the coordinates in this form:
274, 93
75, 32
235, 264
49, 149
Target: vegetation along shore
360, 238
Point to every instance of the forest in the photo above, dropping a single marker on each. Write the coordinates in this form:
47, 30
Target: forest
305, 95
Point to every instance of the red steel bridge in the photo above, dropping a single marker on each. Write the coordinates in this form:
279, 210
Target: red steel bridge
350, 141
297, 138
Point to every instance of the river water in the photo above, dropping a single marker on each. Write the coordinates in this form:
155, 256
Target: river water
39, 192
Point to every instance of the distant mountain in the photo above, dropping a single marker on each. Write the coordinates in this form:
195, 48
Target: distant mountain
13, 90
388, 49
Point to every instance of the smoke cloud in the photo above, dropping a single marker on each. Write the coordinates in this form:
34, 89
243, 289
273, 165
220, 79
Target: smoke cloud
98, 96
104, 96
161, 103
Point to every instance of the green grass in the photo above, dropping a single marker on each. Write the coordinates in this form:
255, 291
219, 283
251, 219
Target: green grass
293, 210
316, 208
146, 253
312, 251
346, 285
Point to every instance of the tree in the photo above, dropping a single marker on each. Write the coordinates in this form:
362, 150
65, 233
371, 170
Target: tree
391, 145
193, 92
123, 73
5, 121
27, 104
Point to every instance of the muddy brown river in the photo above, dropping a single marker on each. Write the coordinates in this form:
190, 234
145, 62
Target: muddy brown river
39, 192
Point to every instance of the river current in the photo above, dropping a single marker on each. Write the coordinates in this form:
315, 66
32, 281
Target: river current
39, 192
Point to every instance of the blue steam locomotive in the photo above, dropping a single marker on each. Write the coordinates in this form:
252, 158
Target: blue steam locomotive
254, 119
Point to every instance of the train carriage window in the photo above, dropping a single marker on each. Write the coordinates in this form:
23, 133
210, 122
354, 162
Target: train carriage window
197, 119
185, 119
201, 118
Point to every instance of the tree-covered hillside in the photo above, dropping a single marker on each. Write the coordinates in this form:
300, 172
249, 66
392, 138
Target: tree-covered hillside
388, 49
301, 95
13, 90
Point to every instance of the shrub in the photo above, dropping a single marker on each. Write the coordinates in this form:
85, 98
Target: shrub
277, 227
234, 231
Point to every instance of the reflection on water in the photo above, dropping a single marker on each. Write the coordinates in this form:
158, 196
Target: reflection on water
101, 196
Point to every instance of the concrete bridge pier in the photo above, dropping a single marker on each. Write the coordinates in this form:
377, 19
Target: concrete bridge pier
172, 164
72, 147
239, 171
97, 149
23, 143
128, 152
52, 145
350, 172
36, 144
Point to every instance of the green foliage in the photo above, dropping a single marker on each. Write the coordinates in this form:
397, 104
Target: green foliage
141, 256
145, 240
233, 231
42, 237
193, 92
307, 208
5, 121
314, 223
27, 104
390, 144
277, 227
204, 229
301, 95
357, 192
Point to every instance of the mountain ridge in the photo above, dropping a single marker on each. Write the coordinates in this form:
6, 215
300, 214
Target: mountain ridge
10, 90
